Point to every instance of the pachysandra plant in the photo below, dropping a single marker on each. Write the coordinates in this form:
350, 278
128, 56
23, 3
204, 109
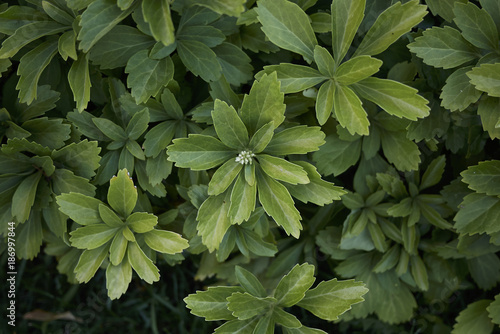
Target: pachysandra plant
115, 233
250, 150
249, 308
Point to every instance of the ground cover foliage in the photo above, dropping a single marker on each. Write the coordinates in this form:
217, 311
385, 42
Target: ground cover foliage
288, 166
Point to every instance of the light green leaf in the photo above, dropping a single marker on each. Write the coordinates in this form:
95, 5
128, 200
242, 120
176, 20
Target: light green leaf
474, 319
158, 138
118, 249
79, 81
67, 45
147, 76
486, 78
117, 279
228, 125
484, 177
142, 222
282, 170
443, 8
395, 98
332, 298
261, 138
300, 139
357, 69
245, 306
243, 198
81, 208
278, 203
24, 197
27, 34
199, 152
346, 18
265, 325
287, 26
199, 59
122, 195
142, 265
303, 330
337, 155
31, 66
249, 282
212, 304
349, 111
443, 47
92, 236
157, 14
228, 7
324, 101
238, 327
263, 104
109, 217
165, 241
89, 262
285, 319
400, 151
324, 60
138, 124
478, 213
293, 78
223, 177
213, 220
257, 245
458, 92
116, 47
293, 286
97, 20
477, 25
65, 181
393, 23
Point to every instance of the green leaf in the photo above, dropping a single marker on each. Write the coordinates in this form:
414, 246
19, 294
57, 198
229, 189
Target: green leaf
318, 301
303, 330
249, 282
24, 197
57, 14
349, 111
478, 213
82, 157
228, 125
79, 81
142, 265
117, 279
325, 101
317, 191
235, 63
433, 173
300, 139
110, 129
29, 237
278, 203
489, 112
228, 7
245, 306
477, 25
261, 138
158, 138
419, 272
118, 249
51, 133
14, 17
92, 236
165, 241
122, 195
293, 78
31, 66
243, 198
199, 59
443, 8
395, 98
474, 319
443, 47
97, 20
282, 170
287, 26
494, 310
257, 245
264, 104
116, 47
293, 286
89, 262
147, 76
64, 181
223, 177
27, 34
138, 124
157, 14
142, 222
285, 319
484, 177
357, 69
485, 270
265, 325
393, 23
458, 92
212, 304
199, 152
337, 155
238, 327
486, 78
324, 60
213, 220
346, 18
400, 151
81, 208
109, 217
